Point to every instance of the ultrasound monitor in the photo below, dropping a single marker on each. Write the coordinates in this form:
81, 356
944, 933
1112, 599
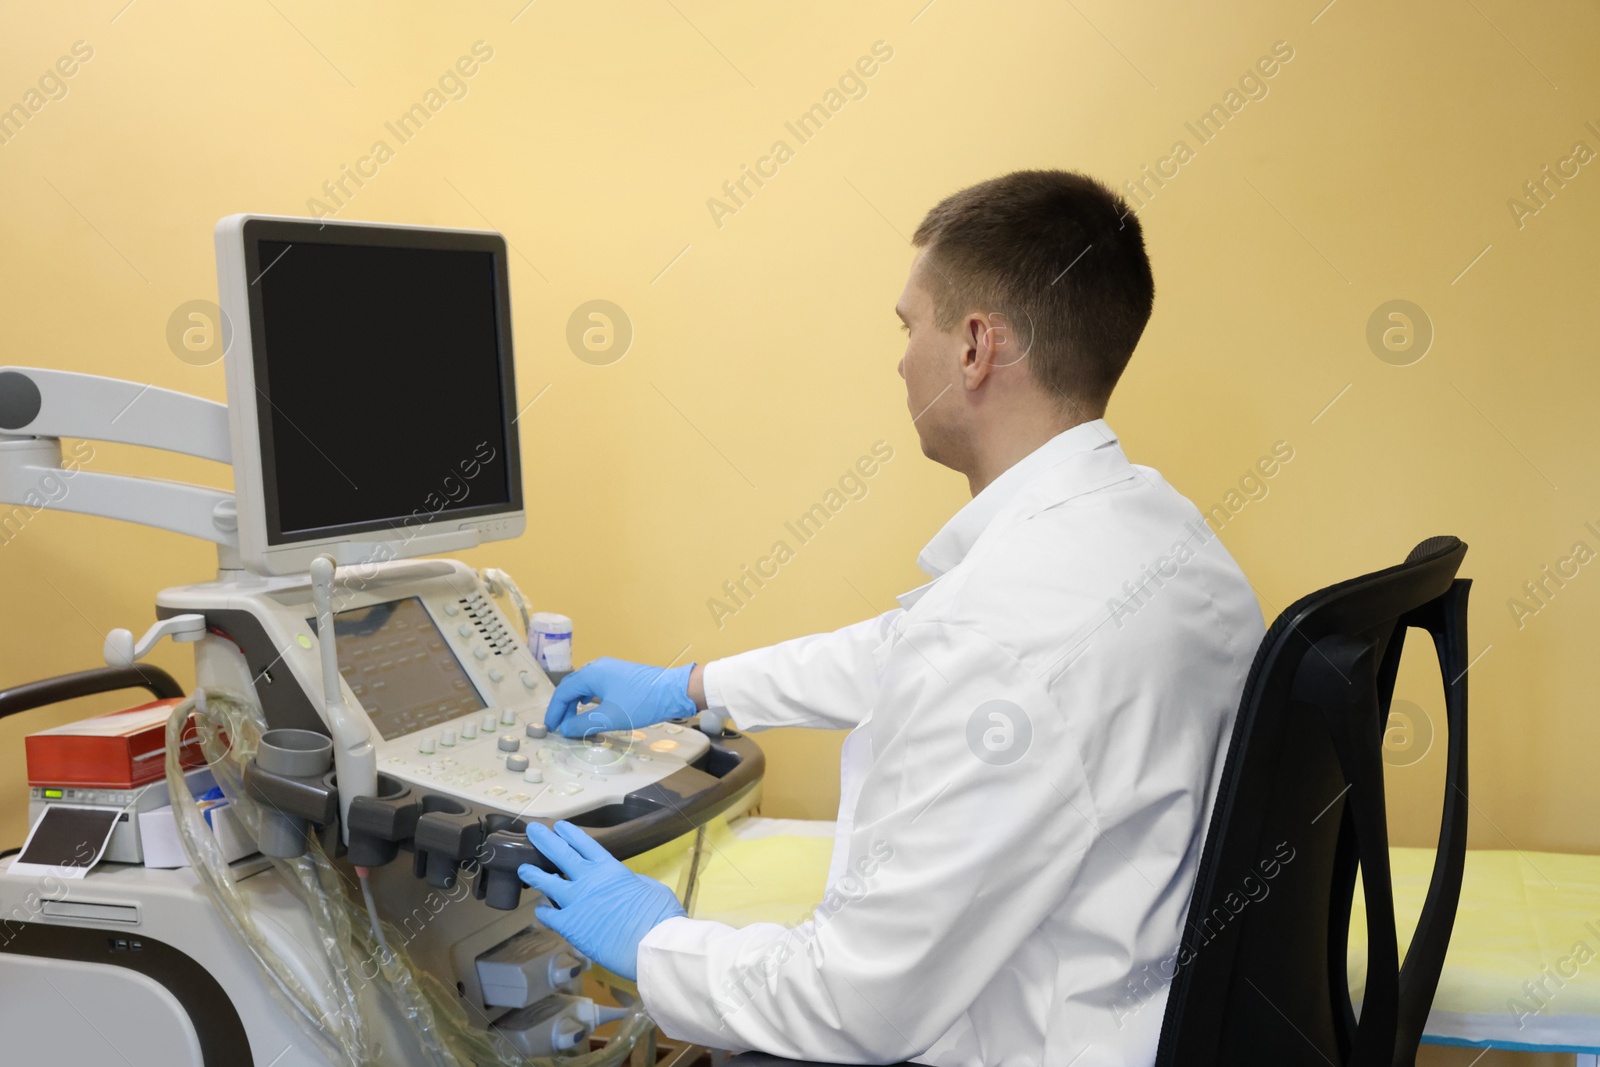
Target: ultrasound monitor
371, 390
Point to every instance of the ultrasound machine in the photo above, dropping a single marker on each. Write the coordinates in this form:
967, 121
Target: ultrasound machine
369, 710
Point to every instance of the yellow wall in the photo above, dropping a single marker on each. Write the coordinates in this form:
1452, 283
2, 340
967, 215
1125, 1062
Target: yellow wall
1378, 166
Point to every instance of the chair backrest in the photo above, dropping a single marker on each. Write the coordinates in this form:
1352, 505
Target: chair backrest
1260, 974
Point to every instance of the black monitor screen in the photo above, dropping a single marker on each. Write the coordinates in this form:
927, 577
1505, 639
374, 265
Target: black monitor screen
383, 369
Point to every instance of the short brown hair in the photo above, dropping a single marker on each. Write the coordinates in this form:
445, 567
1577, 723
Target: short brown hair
1061, 256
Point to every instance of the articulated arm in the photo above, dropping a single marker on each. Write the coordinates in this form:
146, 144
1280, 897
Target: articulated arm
38, 407
35, 402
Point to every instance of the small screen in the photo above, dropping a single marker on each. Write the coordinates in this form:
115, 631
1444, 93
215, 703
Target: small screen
397, 664
382, 399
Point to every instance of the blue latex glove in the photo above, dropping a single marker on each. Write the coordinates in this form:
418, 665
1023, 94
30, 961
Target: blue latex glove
631, 695
602, 909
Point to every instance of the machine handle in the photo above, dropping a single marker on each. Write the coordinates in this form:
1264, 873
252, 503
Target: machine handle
38, 694
650, 817
645, 819
444, 834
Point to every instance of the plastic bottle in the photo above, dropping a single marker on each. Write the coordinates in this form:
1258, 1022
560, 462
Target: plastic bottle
550, 641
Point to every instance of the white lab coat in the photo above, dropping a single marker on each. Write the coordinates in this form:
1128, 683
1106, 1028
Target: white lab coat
1036, 738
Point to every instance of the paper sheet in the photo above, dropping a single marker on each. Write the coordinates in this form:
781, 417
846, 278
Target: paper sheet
67, 840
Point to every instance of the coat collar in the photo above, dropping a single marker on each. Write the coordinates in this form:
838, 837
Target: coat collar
952, 543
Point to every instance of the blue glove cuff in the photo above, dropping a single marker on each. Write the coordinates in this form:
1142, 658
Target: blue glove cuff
676, 682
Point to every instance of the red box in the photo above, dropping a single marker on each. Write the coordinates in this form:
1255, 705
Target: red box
122, 750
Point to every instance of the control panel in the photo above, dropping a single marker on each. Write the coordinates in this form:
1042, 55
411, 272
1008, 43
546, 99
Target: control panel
507, 760
455, 700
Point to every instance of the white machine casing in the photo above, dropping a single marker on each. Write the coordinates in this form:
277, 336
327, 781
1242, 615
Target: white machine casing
143, 915
146, 948
445, 931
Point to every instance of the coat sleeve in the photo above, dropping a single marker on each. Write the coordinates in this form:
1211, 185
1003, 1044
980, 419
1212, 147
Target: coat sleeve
824, 680
971, 825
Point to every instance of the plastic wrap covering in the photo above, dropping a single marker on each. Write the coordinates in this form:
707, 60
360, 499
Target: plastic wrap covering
330, 1008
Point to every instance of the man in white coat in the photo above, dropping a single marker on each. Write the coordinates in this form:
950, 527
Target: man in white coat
1036, 734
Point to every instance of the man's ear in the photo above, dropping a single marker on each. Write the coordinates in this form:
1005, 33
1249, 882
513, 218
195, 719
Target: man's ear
1005, 341
978, 351
990, 342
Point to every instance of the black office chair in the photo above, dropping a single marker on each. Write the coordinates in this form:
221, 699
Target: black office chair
1261, 975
